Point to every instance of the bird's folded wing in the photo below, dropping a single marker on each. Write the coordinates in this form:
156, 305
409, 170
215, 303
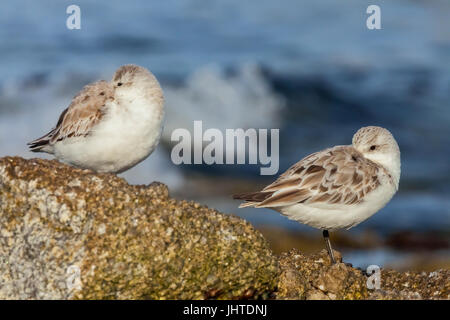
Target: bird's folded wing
85, 111
340, 175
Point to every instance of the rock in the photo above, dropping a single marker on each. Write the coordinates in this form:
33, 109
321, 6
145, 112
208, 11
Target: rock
414, 285
314, 277
68, 233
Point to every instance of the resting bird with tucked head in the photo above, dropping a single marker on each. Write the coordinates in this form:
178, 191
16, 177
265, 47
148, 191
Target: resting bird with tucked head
338, 187
109, 126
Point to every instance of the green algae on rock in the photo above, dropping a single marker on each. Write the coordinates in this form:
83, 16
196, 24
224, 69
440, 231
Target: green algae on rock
68, 233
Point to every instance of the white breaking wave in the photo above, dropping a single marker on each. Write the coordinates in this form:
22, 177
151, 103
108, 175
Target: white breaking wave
242, 100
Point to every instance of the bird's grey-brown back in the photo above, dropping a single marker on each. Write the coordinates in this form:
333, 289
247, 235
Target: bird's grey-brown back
83, 113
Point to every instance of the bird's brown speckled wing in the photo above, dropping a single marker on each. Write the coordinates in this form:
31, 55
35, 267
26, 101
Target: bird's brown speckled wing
85, 111
339, 175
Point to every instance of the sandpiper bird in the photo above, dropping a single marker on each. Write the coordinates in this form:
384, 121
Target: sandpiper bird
338, 187
109, 126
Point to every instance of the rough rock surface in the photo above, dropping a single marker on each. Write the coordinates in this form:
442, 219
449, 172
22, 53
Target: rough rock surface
314, 277
67, 233
70, 233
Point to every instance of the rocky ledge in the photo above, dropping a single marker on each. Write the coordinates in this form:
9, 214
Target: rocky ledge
67, 233
313, 277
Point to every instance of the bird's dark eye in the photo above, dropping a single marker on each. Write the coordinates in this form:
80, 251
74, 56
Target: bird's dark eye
373, 147
119, 84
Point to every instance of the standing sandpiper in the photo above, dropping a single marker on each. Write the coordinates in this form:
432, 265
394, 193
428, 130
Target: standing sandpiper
338, 187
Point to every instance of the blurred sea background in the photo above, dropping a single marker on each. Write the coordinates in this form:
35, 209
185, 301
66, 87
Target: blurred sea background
310, 68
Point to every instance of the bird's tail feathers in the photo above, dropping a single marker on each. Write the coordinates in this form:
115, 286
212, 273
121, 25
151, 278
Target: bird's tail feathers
252, 198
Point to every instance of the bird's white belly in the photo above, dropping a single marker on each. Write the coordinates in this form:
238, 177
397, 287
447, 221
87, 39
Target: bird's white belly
332, 217
123, 138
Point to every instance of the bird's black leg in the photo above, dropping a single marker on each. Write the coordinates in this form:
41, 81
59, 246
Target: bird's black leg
326, 236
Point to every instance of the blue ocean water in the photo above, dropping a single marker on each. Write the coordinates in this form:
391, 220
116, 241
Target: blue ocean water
310, 68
